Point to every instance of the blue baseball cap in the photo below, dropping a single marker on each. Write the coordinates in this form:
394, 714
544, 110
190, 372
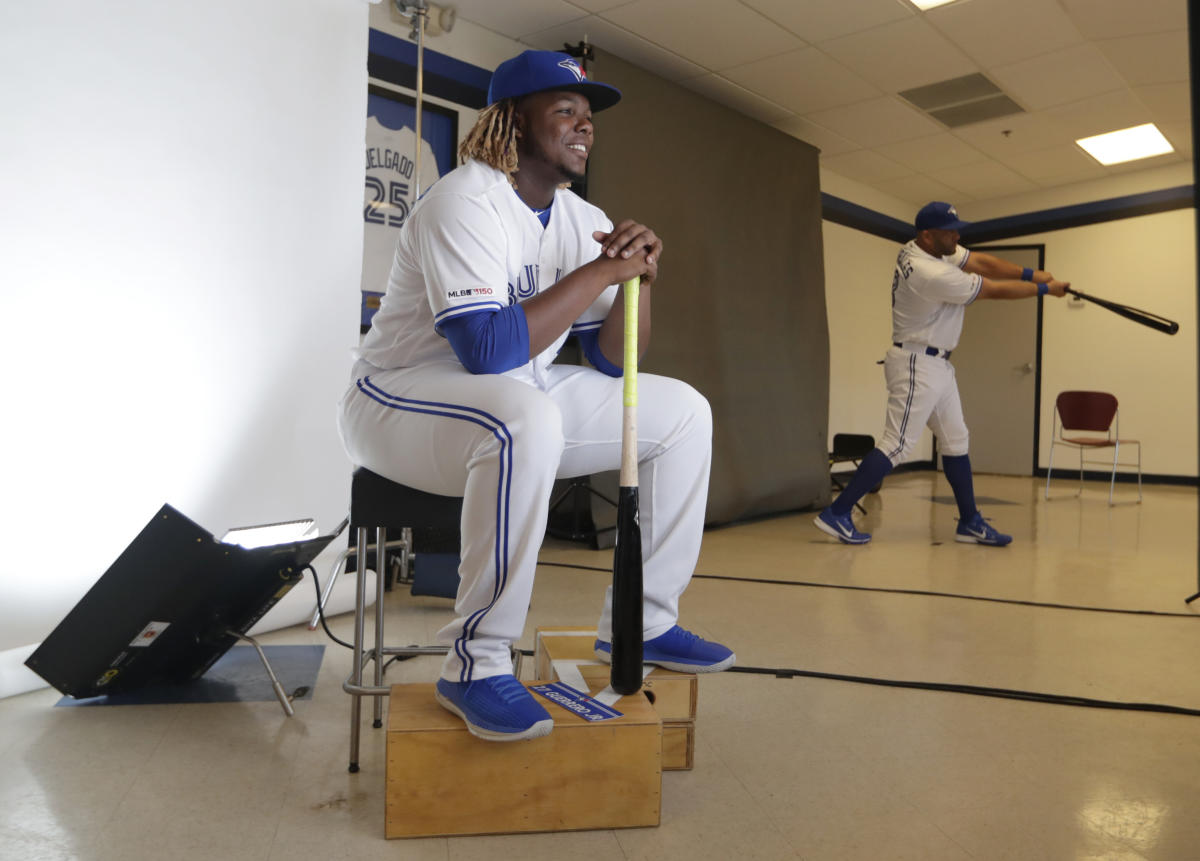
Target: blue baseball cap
939, 216
539, 71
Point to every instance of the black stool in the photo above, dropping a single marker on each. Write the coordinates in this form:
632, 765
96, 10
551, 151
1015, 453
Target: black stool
376, 502
852, 447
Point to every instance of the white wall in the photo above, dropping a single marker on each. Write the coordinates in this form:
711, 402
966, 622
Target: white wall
181, 242
1148, 262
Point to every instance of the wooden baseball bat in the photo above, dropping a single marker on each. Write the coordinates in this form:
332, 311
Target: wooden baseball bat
1162, 324
626, 673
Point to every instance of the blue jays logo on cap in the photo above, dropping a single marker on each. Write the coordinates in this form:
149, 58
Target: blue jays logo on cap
540, 71
574, 68
939, 216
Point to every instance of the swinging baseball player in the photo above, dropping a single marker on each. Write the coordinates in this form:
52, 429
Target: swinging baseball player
934, 281
455, 391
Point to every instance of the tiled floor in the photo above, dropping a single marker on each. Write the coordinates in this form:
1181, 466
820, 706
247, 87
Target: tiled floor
793, 767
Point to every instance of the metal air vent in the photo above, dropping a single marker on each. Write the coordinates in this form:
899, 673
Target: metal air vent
962, 101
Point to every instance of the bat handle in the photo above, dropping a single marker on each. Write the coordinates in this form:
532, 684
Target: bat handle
629, 378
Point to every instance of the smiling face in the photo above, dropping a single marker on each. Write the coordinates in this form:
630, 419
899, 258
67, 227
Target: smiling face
554, 137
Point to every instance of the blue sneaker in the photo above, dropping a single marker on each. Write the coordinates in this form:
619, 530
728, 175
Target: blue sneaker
678, 650
841, 528
498, 708
977, 531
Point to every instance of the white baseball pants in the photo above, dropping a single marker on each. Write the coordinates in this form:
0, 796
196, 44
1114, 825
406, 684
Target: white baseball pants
500, 443
922, 390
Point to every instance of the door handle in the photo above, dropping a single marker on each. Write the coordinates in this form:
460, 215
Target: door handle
1026, 368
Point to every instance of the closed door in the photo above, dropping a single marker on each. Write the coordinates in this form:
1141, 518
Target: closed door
996, 363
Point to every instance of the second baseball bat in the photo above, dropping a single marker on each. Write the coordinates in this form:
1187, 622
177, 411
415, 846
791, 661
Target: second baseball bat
626, 673
1137, 315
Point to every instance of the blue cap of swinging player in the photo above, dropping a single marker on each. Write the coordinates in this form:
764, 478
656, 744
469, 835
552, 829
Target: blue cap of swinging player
540, 71
939, 216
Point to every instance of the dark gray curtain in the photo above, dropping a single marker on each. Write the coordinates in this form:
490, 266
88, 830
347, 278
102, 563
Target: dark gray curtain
739, 308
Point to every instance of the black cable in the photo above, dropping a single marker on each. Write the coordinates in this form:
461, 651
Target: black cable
332, 636
924, 592
975, 690
321, 609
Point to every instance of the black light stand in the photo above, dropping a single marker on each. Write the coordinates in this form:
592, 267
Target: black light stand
1194, 65
578, 494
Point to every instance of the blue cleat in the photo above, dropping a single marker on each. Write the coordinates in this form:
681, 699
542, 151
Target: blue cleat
977, 531
497, 708
678, 650
841, 528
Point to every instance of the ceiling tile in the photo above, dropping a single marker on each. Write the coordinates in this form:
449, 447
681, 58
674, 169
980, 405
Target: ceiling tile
864, 165
1179, 135
615, 40
829, 143
1155, 59
817, 20
1168, 103
984, 179
802, 81
878, 121
1106, 19
1099, 114
1055, 165
919, 189
515, 18
739, 98
1068, 75
928, 56
1025, 133
708, 32
999, 32
922, 154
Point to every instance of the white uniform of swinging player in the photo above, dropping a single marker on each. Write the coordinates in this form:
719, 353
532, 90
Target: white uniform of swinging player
415, 415
929, 299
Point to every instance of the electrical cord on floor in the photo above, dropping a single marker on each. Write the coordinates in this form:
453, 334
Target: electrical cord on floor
332, 636
976, 690
926, 593
321, 609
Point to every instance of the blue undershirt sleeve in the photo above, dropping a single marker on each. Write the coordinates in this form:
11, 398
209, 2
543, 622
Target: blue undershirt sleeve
489, 342
589, 342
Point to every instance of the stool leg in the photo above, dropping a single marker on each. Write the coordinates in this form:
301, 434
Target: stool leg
360, 601
380, 567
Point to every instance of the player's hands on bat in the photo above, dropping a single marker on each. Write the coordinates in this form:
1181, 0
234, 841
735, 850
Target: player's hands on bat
633, 249
1057, 288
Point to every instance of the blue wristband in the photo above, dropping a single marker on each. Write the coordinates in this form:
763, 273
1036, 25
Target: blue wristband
1026, 274
1043, 289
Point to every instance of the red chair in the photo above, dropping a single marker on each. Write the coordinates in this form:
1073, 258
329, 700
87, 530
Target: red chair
1085, 415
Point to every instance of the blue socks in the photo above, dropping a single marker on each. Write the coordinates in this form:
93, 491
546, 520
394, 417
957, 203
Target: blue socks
874, 467
958, 472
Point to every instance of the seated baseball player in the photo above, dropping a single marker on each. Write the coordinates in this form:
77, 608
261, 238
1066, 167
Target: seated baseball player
455, 390
935, 279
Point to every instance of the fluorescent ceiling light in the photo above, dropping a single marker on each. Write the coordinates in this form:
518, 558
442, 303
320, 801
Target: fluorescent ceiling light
929, 4
1126, 144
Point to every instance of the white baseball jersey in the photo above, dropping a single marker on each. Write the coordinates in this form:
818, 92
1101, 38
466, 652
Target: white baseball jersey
475, 245
929, 298
930, 295
415, 415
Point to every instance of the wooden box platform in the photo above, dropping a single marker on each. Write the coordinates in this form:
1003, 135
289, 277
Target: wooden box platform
441, 780
673, 694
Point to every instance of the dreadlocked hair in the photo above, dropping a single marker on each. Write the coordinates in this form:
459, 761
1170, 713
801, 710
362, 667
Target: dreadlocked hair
493, 139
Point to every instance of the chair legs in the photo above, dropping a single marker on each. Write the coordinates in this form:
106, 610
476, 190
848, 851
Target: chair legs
1112, 483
